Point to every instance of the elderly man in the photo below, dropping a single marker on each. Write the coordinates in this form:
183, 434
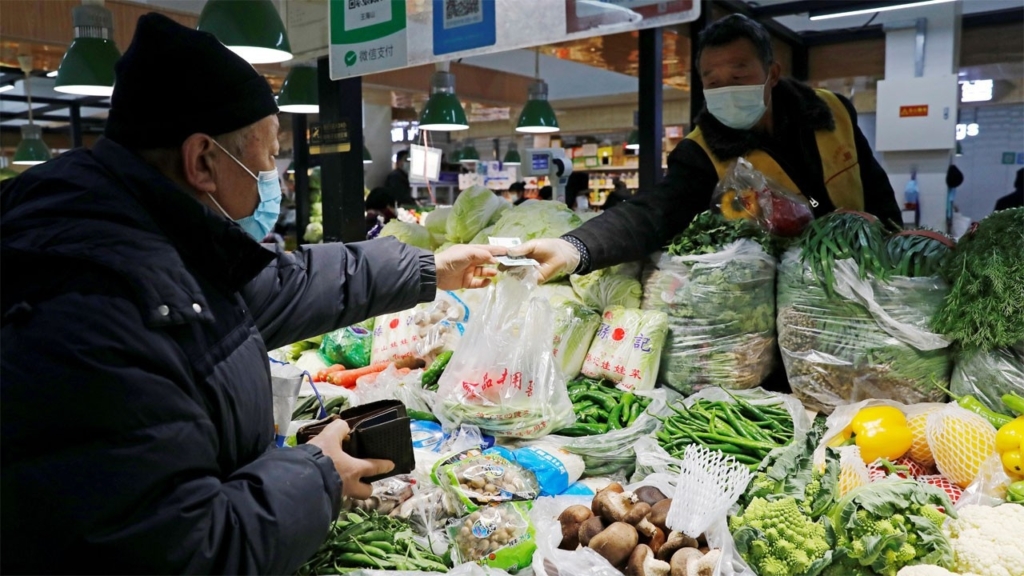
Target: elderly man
137, 310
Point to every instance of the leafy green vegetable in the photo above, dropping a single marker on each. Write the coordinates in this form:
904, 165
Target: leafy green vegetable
721, 311
985, 306
777, 539
887, 525
709, 231
575, 326
791, 473
916, 253
436, 222
411, 234
602, 289
472, 212
841, 235
834, 347
536, 219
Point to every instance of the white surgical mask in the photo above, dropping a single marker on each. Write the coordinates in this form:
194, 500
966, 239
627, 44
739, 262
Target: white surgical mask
262, 220
738, 107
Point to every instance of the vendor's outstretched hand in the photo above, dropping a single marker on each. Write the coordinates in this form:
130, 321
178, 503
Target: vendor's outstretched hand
465, 266
556, 256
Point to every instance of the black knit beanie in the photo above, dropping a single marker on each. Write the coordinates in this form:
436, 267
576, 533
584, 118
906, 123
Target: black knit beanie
174, 81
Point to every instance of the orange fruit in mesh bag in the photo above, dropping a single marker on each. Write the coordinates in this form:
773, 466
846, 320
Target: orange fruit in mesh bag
960, 441
919, 451
853, 472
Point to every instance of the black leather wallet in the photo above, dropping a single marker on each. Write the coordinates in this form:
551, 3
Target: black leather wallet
376, 430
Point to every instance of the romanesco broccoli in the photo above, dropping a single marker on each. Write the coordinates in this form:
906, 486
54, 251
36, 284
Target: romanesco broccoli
777, 539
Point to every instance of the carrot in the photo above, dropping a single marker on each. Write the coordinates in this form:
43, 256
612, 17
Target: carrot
321, 376
348, 378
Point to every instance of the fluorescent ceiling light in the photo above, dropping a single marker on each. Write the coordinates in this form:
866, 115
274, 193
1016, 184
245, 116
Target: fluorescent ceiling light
976, 90
51, 74
877, 8
6, 87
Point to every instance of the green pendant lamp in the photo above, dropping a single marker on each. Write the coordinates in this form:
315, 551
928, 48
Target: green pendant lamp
250, 28
299, 93
31, 150
469, 154
512, 155
367, 159
443, 111
88, 66
633, 142
537, 117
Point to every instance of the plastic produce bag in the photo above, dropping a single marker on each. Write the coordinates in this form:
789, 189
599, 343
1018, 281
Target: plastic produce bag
349, 346
651, 458
612, 454
987, 375
550, 560
627, 348
478, 478
503, 377
555, 468
285, 382
499, 536
575, 327
746, 193
421, 332
869, 340
395, 384
721, 316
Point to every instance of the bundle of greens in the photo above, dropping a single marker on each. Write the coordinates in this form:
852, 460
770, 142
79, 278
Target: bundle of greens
917, 253
717, 285
842, 235
985, 306
709, 230
883, 526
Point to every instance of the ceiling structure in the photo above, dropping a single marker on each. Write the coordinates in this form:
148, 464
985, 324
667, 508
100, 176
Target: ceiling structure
580, 73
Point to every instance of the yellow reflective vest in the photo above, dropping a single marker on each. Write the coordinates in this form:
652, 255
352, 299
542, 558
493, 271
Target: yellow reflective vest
838, 151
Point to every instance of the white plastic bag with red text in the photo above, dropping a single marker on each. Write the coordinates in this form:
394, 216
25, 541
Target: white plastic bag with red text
503, 377
627, 348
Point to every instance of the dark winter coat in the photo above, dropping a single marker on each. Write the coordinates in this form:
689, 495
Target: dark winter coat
136, 405
648, 221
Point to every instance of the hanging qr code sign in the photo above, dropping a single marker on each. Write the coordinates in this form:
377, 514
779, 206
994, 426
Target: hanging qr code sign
415, 32
463, 25
367, 36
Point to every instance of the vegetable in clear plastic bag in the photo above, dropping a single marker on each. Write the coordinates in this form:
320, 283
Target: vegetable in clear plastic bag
349, 346
988, 374
575, 327
603, 289
651, 458
503, 377
870, 339
478, 478
627, 348
746, 193
421, 332
395, 384
721, 316
499, 536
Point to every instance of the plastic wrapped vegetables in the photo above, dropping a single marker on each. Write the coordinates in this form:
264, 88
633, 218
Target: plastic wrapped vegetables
627, 348
721, 314
575, 326
987, 375
836, 352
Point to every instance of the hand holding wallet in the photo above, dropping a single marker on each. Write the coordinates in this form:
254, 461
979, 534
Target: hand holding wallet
376, 430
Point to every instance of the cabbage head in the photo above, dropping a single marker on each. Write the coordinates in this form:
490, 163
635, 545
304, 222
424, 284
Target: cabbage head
536, 219
603, 289
471, 213
411, 234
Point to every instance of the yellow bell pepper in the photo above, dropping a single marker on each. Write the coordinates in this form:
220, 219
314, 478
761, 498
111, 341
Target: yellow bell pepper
1009, 444
881, 432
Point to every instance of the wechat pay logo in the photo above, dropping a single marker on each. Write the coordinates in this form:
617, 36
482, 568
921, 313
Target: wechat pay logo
350, 58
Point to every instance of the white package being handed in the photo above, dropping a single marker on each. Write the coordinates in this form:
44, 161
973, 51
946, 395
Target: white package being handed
503, 377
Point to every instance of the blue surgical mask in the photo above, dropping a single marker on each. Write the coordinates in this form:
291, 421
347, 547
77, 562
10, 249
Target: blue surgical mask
262, 220
738, 107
